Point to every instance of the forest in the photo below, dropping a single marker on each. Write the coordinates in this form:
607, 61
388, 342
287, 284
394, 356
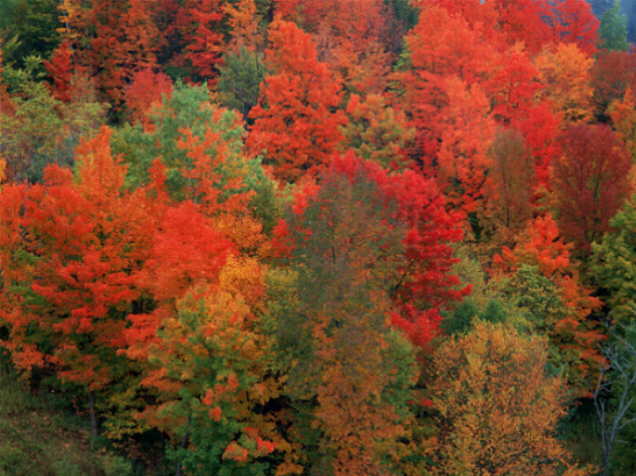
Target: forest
317, 237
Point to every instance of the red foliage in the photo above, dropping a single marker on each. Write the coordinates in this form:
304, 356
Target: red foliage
294, 123
60, 67
146, 90
590, 180
612, 74
88, 239
198, 22
425, 279
573, 21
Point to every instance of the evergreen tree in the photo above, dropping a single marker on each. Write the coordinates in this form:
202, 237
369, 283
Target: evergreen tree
614, 29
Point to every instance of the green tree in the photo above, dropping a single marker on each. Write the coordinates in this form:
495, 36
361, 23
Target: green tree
614, 29
189, 109
613, 264
28, 27
42, 130
350, 374
239, 80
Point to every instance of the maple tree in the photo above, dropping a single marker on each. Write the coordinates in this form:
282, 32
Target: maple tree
61, 70
511, 182
198, 24
68, 313
573, 21
612, 74
145, 91
623, 116
113, 40
466, 132
294, 125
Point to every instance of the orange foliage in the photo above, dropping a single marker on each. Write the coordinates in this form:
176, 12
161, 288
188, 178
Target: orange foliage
294, 125
542, 246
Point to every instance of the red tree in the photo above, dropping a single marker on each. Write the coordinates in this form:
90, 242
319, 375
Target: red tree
60, 67
295, 126
198, 22
590, 181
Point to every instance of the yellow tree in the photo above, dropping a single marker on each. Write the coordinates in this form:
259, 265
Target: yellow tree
496, 409
565, 72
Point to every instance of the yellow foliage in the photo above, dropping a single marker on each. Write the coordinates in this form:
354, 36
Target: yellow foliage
497, 408
565, 72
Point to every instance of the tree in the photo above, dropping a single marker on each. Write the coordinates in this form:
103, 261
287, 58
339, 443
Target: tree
198, 23
562, 304
201, 147
613, 73
614, 29
73, 270
572, 21
60, 67
145, 91
590, 182
40, 130
565, 74
466, 132
622, 112
495, 408
28, 28
612, 265
440, 45
240, 80
511, 182
113, 40
349, 373
614, 398
294, 123
377, 132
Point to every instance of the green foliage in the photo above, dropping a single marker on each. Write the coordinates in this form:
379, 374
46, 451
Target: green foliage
28, 27
239, 80
189, 107
350, 376
462, 319
42, 130
218, 356
406, 14
613, 265
614, 29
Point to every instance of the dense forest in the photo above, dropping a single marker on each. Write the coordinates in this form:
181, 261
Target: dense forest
318, 237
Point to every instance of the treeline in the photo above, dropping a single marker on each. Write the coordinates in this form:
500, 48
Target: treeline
361, 237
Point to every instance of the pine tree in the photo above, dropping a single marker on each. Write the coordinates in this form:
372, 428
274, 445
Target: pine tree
614, 29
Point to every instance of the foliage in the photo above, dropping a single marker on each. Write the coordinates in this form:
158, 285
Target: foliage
347, 369
239, 80
495, 408
614, 29
590, 182
294, 126
612, 265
